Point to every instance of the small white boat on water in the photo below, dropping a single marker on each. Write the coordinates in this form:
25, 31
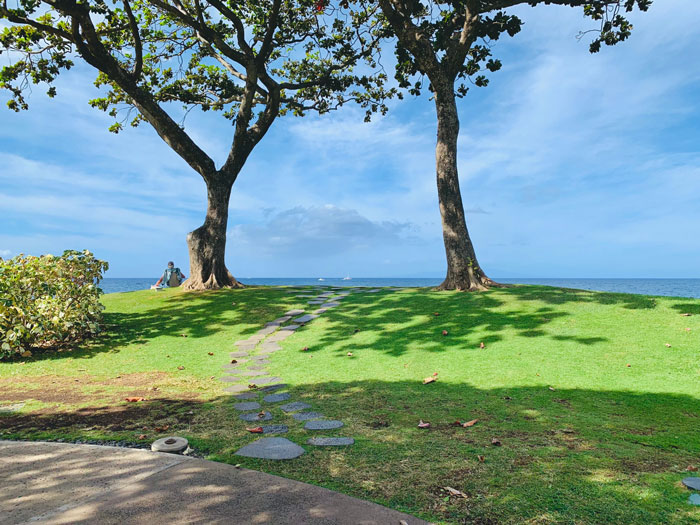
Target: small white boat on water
321, 279
347, 278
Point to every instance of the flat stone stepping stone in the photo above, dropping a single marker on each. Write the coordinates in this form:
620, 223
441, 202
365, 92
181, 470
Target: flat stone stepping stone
275, 429
375, 290
172, 444
270, 347
271, 448
692, 483
323, 424
260, 357
239, 354
267, 330
246, 395
278, 336
305, 416
694, 499
321, 311
230, 379
330, 305
253, 416
237, 388
253, 373
317, 301
279, 321
330, 442
244, 407
290, 327
257, 367
306, 296
276, 398
266, 380
295, 406
305, 318
273, 388
294, 312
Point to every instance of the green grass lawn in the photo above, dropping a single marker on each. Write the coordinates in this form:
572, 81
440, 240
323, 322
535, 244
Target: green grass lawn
597, 417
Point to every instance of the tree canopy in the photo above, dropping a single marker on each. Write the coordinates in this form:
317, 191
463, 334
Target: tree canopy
251, 61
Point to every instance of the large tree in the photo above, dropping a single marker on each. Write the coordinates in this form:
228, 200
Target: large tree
250, 60
449, 43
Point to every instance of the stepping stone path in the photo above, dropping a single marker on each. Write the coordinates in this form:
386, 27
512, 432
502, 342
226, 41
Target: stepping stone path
323, 424
305, 416
249, 373
271, 448
255, 416
276, 398
296, 406
331, 442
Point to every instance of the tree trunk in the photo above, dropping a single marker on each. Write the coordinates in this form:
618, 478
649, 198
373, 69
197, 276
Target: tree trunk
463, 270
207, 244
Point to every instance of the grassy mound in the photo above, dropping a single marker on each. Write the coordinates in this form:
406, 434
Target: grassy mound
596, 416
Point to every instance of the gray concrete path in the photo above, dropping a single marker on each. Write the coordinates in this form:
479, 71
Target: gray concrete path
63, 483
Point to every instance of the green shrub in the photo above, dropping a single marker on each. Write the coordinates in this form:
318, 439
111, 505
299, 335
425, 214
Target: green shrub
49, 301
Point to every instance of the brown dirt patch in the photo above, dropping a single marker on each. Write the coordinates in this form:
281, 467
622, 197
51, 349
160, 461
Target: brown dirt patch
127, 416
71, 390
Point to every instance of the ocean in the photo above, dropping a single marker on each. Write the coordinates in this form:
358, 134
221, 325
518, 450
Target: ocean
668, 287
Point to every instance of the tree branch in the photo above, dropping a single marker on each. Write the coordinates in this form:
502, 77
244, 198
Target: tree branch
138, 49
265, 49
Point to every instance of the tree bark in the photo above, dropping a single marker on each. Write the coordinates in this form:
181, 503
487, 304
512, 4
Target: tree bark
463, 270
207, 244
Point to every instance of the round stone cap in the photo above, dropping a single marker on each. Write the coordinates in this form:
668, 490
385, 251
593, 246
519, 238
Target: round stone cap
173, 444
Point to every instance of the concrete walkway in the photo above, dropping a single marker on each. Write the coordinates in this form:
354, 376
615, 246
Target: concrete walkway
64, 483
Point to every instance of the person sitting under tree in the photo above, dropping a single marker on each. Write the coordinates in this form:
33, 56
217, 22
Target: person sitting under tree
172, 277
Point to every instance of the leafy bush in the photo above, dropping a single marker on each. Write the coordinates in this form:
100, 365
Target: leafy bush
49, 301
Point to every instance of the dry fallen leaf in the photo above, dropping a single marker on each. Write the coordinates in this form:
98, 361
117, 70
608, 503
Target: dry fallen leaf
234, 361
444, 332
422, 424
256, 430
455, 492
686, 315
210, 353
481, 458
261, 413
349, 354
435, 374
142, 436
134, 399
496, 442
692, 468
668, 345
183, 335
552, 389
482, 345
26, 353
430, 379
306, 348
436, 314
252, 386
161, 429
629, 365
180, 367
470, 423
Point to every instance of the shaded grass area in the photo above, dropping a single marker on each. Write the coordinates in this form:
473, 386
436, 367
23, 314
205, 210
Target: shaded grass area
584, 437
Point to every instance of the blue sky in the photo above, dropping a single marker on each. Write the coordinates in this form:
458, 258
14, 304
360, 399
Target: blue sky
571, 165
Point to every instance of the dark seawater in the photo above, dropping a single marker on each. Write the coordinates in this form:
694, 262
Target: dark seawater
668, 287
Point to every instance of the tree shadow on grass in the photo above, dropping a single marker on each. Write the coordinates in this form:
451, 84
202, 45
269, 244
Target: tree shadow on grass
194, 314
570, 456
399, 321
